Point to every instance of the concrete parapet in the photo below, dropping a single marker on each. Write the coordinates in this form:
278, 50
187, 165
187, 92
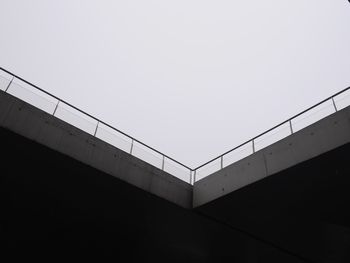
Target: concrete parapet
37, 125
316, 139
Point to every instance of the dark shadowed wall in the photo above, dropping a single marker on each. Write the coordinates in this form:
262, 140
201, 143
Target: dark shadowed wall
54, 206
304, 209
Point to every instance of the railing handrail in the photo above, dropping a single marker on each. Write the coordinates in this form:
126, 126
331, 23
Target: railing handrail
96, 119
160, 153
267, 131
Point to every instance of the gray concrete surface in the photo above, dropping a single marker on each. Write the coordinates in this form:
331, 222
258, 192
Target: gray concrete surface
320, 137
35, 124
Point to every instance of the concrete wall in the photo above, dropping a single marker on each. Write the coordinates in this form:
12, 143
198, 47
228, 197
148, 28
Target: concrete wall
55, 206
324, 135
303, 209
35, 124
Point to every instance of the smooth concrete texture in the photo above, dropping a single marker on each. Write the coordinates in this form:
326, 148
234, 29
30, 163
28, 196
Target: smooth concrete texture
318, 138
303, 209
39, 126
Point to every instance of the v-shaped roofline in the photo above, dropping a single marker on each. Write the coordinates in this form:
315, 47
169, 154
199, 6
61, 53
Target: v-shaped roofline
192, 171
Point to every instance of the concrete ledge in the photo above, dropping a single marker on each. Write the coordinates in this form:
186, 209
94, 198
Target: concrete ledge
35, 124
320, 137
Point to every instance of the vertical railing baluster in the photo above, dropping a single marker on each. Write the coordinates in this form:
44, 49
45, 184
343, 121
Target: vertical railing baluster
191, 183
8, 86
54, 112
163, 163
132, 146
194, 176
253, 144
222, 161
335, 106
291, 127
96, 128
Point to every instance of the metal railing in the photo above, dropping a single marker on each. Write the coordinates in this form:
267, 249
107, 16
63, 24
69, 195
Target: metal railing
164, 159
290, 126
187, 174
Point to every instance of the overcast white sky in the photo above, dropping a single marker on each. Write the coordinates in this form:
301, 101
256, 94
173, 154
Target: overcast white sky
190, 78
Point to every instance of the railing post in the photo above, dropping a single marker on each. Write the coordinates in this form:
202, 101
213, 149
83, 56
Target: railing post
335, 106
191, 177
8, 86
132, 146
222, 161
163, 163
54, 112
194, 176
291, 126
253, 144
96, 128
